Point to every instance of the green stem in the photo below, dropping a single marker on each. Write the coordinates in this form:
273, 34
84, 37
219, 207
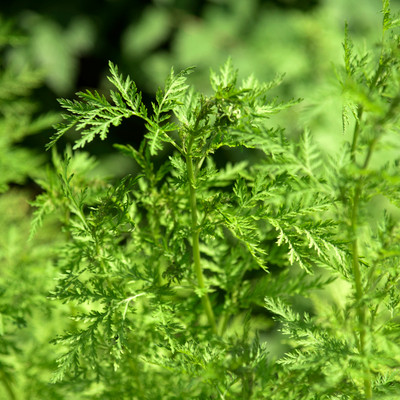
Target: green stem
356, 134
154, 223
196, 245
361, 311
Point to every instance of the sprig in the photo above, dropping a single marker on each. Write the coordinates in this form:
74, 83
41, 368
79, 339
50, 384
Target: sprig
173, 271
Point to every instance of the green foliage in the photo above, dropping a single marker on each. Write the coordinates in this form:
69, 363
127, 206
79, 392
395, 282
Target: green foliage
26, 268
53, 47
17, 115
275, 277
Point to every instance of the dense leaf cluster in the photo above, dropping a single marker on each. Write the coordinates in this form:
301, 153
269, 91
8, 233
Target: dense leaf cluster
176, 276
23, 301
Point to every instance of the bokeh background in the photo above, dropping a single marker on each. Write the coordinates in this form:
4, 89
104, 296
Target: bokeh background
71, 42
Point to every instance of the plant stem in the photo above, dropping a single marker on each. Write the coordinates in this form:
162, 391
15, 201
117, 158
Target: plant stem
356, 133
361, 311
196, 246
359, 289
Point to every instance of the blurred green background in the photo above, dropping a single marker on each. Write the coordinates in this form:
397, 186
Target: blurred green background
71, 42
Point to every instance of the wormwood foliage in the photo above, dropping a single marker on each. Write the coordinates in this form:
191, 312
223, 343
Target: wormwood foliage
176, 274
17, 113
23, 302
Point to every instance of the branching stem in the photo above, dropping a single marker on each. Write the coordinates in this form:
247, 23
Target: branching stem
196, 245
361, 308
356, 133
361, 312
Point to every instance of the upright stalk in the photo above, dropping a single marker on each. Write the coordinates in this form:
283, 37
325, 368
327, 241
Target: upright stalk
356, 133
196, 245
361, 311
